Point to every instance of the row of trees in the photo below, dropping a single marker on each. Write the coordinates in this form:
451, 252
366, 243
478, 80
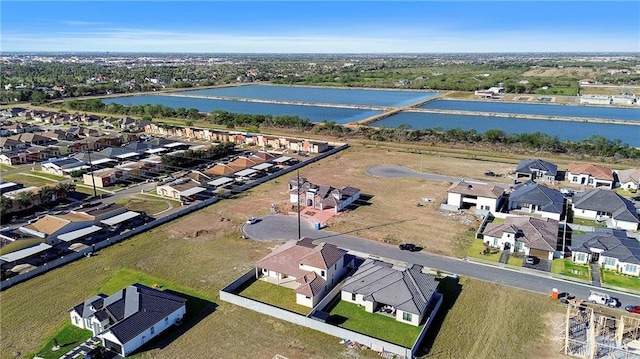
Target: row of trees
192, 158
146, 111
26, 200
232, 120
594, 146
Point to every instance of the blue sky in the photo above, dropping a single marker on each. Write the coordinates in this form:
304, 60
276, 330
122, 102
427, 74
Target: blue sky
320, 27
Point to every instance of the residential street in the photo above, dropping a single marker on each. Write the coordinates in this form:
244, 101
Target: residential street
388, 171
282, 228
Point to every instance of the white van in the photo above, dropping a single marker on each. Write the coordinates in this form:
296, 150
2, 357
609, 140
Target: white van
602, 298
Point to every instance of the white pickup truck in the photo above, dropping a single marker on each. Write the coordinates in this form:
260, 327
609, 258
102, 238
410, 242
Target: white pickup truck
602, 298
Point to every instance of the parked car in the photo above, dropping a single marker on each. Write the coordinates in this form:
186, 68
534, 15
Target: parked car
530, 259
565, 297
603, 299
633, 309
252, 220
410, 247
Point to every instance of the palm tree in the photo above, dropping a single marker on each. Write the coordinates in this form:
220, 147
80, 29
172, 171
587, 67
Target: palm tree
65, 188
48, 194
25, 199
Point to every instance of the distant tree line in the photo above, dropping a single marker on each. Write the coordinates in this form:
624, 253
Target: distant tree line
593, 146
149, 111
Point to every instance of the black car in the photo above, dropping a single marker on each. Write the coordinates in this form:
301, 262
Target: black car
410, 247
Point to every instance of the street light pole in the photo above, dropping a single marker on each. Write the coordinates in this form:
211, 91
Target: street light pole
93, 178
298, 197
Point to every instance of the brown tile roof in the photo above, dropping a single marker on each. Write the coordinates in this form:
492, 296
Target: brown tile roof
310, 284
48, 224
288, 257
534, 232
630, 175
595, 171
476, 189
220, 169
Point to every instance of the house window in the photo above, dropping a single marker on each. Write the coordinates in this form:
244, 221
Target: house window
406, 316
335, 266
609, 261
518, 246
630, 268
166, 320
87, 323
575, 179
152, 330
581, 257
353, 296
322, 273
308, 297
76, 320
495, 242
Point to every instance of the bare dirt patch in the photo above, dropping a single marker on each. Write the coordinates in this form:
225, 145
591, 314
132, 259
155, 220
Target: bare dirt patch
560, 72
201, 224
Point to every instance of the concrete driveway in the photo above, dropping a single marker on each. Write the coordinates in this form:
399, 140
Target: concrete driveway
543, 265
281, 228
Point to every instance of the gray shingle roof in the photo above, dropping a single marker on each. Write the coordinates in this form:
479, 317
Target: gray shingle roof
549, 200
525, 166
407, 289
614, 243
606, 200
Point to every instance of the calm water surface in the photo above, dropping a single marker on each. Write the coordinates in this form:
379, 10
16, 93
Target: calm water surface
321, 95
313, 113
569, 130
632, 114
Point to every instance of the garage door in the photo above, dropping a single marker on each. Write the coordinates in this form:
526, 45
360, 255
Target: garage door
539, 253
114, 347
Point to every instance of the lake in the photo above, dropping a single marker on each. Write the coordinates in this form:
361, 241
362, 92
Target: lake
569, 130
313, 113
632, 114
373, 97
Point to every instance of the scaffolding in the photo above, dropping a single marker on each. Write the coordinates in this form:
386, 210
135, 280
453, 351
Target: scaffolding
594, 332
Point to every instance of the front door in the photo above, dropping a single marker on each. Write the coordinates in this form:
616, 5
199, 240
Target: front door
595, 256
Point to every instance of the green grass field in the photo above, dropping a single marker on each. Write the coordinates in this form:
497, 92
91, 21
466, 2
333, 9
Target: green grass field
89, 190
476, 251
350, 316
588, 222
46, 175
68, 337
568, 268
620, 280
26, 180
148, 204
4, 167
275, 295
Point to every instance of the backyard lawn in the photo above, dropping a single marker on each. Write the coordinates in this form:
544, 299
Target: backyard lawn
46, 175
149, 204
88, 190
350, 316
68, 337
19, 244
620, 280
27, 180
4, 167
476, 251
588, 222
568, 268
275, 295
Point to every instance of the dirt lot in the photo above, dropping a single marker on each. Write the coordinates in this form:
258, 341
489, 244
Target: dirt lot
560, 72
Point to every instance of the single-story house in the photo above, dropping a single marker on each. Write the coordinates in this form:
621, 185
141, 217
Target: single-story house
321, 196
484, 196
612, 249
533, 169
590, 175
63, 166
405, 293
528, 235
533, 198
601, 204
50, 227
183, 189
311, 270
629, 179
129, 318
105, 177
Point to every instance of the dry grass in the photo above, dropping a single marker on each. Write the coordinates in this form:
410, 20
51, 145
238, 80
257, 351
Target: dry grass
493, 321
561, 72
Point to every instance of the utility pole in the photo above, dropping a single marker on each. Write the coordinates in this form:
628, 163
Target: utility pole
93, 179
298, 197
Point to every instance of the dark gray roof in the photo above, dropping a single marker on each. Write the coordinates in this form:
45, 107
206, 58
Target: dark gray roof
549, 200
407, 289
614, 243
606, 200
87, 157
114, 152
525, 166
141, 146
143, 307
83, 309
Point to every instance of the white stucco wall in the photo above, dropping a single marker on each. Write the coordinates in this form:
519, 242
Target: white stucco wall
454, 199
415, 319
487, 203
307, 302
584, 213
629, 226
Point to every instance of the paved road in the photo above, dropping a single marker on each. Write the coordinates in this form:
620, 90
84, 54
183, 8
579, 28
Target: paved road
388, 171
282, 228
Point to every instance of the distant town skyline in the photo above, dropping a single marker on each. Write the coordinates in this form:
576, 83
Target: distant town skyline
320, 27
